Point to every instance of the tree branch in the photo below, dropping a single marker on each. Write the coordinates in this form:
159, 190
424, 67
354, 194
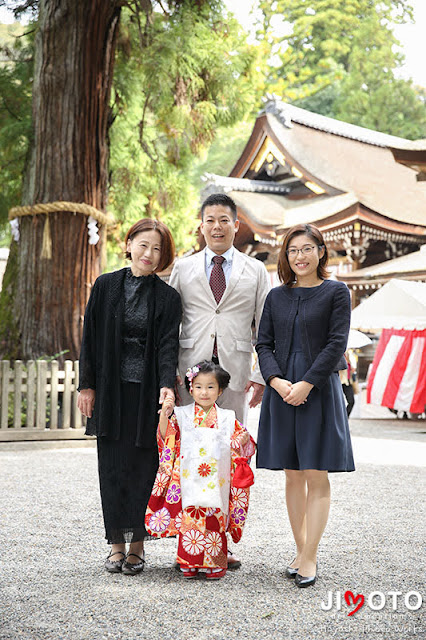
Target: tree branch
9, 110
142, 121
22, 8
149, 154
166, 13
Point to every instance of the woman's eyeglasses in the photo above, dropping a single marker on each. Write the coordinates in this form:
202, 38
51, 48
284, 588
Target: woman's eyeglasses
305, 251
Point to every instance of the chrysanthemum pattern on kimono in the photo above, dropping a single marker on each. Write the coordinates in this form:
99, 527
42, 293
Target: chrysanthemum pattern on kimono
201, 529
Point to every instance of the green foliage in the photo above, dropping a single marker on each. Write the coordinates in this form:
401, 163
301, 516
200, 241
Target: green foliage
27, 9
187, 86
320, 38
371, 95
9, 331
8, 33
15, 119
178, 78
323, 101
223, 153
339, 58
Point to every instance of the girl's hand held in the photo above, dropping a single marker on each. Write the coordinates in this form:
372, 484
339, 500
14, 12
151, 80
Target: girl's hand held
166, 392
165, 413
168, 406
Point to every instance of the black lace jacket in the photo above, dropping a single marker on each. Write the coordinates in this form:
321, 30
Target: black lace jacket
100, 355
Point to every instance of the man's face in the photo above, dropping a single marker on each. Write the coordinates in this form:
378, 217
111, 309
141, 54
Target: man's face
219, 228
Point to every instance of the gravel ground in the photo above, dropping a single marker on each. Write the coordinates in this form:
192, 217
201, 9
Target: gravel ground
53, 586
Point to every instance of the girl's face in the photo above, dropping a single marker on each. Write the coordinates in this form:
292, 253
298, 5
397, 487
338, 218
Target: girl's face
303, 257
205, 390
145, 249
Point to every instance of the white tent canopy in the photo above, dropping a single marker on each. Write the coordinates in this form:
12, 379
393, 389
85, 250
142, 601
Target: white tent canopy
357, 340
399, 304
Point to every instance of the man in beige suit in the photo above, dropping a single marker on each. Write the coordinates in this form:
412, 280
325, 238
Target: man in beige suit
221, 330
220, 302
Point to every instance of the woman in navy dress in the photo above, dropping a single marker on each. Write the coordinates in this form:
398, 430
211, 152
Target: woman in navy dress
303, 422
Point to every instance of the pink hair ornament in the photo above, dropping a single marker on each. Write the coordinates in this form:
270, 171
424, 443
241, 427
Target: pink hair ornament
192, 373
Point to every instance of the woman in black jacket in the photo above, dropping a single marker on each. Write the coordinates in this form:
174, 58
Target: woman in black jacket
128, 366
303, 422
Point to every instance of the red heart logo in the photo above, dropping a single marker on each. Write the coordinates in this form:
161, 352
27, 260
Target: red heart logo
351, 599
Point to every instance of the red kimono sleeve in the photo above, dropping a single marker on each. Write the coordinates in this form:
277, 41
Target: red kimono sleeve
242, 446
164, 511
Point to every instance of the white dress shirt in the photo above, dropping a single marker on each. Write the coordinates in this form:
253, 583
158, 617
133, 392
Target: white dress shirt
226, 266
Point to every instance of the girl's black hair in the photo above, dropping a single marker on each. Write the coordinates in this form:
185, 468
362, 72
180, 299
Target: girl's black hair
207, 366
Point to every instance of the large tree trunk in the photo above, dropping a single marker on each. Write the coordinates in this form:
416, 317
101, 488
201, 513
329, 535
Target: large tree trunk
74, 60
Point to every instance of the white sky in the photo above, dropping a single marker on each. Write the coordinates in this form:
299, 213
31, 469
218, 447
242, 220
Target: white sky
411, 36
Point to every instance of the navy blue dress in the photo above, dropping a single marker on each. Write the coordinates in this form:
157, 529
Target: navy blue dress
314, 435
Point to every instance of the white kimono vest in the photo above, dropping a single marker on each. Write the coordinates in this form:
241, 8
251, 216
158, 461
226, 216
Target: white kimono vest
205, 459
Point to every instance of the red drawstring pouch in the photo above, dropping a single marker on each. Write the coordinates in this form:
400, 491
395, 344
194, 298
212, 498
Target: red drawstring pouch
243, 476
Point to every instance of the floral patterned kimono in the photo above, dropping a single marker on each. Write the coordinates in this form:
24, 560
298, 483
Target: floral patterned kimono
194, 493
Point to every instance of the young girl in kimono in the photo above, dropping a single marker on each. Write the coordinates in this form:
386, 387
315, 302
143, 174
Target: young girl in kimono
202, 486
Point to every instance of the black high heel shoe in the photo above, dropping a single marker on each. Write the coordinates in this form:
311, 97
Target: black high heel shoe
303, 581
291, 572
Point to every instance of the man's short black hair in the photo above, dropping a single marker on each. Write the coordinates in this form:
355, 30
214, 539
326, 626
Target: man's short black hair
207, 366
220, 199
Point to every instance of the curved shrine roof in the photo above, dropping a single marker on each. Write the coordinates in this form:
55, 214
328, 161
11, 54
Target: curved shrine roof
367, 169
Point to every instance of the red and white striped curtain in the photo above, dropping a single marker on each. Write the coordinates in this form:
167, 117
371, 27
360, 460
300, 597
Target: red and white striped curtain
398, 375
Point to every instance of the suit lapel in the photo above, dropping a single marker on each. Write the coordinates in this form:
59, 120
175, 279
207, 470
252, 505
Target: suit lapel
238, 265
200, 270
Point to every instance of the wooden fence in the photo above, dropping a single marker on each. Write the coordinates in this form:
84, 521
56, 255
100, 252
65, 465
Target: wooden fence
38, 401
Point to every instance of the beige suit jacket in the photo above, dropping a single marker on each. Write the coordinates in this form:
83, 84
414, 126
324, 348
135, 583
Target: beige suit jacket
230, 320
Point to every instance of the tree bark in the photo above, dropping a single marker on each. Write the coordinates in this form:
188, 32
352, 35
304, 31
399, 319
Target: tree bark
74, 60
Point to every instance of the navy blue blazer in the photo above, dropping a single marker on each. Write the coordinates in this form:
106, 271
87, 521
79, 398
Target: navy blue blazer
324, 315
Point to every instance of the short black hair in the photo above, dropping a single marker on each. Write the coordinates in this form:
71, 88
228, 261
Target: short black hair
220, 199
207, 366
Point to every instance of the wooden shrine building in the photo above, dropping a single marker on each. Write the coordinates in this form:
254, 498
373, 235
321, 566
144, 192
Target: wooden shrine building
300, 167
412, 154
364, 282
